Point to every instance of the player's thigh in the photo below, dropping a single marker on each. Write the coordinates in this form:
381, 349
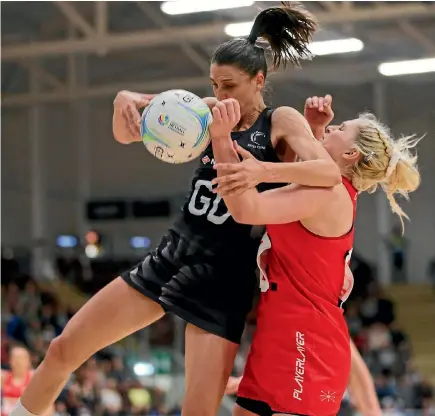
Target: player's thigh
209, 361
285, 414
113, 313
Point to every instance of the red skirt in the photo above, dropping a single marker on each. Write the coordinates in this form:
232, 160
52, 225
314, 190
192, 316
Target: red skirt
299, 361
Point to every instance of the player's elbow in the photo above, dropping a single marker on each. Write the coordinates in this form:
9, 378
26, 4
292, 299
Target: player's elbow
246, 215
120, 133
334, 173
241, 217
122, 139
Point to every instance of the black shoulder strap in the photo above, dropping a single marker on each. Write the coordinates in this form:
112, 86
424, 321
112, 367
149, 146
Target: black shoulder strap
269, 114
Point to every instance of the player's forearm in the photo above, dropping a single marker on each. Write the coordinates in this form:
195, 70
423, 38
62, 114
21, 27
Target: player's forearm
121, 132
318, 172
361, 386
318, 132
364, 397
223, 150
242, 205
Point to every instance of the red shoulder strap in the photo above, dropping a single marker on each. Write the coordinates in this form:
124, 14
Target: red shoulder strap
353, 193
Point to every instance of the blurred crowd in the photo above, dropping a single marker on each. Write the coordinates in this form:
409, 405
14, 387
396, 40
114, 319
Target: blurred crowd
105, 385
385, 347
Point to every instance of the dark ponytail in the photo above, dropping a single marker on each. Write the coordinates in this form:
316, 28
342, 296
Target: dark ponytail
288, 29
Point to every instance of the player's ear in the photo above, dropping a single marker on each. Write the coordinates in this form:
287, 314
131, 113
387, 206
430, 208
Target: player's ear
259, 81
352, 155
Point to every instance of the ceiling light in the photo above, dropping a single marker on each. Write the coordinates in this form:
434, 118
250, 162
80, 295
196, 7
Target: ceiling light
198, 6
330, 47
417, 66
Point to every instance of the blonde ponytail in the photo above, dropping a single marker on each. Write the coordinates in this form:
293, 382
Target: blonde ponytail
385, 162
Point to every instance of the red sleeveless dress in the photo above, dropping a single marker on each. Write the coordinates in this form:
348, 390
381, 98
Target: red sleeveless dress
299, 361
11, 392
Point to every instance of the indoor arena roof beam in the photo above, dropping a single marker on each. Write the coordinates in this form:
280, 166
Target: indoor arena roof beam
414, 33
202, 63
44, 76
101, 17
75, 18
198, 33
355, 74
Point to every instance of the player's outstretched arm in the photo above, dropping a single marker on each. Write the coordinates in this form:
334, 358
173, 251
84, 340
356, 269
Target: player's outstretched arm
361, 386
317, 167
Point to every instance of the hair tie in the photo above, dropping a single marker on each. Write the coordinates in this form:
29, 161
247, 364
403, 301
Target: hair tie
394, 160
369, 157
252, 38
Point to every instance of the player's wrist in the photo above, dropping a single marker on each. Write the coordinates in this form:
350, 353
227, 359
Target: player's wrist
220, 136
318, 130
269, 173
222, 139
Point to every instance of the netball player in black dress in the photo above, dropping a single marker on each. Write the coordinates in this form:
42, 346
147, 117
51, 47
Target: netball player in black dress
203, 269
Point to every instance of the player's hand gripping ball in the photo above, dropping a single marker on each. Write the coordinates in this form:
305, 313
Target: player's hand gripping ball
175, 126
226, 116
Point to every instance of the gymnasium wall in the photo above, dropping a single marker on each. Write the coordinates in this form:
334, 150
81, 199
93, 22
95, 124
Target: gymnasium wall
128, 171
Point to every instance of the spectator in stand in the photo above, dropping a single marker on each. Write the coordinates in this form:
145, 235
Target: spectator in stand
397, 245
424, 396
376, 307
353, 319
363, 276
15, 380
119, 372
431, 271
30, 301
111, 400
385, 386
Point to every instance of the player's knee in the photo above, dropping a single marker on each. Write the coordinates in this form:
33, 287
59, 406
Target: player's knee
63, 355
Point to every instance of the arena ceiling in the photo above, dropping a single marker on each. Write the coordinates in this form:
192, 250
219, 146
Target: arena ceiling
134, 45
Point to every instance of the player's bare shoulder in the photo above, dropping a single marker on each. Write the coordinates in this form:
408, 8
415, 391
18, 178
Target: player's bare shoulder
288, 120
336, 217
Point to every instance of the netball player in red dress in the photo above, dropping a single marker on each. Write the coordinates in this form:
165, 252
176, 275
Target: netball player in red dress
13, 382
300, 359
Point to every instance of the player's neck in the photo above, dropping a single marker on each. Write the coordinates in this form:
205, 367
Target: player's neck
345, 173
19, 376
251, 115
